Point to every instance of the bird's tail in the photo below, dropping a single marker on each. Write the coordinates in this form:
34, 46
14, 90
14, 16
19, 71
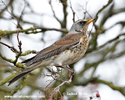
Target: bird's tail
18, 77
24, 72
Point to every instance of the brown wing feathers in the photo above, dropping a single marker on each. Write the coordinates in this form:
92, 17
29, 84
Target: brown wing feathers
59, 46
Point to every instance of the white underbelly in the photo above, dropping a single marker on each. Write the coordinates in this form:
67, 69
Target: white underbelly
68, 57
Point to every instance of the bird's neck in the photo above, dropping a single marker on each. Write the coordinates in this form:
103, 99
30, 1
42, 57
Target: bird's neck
73, 32
79, 32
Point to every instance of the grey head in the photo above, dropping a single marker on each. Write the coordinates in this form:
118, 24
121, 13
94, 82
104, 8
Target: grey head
80, 25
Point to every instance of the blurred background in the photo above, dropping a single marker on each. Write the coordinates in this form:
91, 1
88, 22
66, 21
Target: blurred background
42, 22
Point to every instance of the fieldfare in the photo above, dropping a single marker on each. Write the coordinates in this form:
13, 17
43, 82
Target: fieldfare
63, 52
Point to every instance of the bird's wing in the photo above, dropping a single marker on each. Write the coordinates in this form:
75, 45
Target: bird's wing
56, 48
64, 43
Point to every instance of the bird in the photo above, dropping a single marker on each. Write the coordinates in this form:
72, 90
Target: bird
63, 52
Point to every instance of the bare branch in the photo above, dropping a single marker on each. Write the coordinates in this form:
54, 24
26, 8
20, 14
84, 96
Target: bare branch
72, 11
10, 47
9, 12
50, 2
32, 30
111, 85
11, 1
109, 2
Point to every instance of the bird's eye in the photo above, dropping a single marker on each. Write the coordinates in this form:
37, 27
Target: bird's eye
82, 22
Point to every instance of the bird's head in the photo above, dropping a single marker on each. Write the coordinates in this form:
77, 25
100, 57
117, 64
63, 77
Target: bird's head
80, 26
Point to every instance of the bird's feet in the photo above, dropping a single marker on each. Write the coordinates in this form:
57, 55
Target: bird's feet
71, 71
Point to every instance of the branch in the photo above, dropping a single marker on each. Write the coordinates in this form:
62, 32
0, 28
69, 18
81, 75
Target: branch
72, 12
10, 13
23, 21
20, 65
5, 64
11, 1
111, 85
32, 30
5, 91
5, 80
10, 47
64, 22
18, 25
53, 93
86, 11
120, 22
20, 49
54, 12
109, 2
28, 52
20, 86
112, 40
6, 59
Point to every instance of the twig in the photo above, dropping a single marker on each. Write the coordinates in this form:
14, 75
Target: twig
50, 2
28, 52
6, 6
6, 59
18, 25
10, 47
86, 11
9, 12
49, 83
109, 2
53, 94
4, 64
19, 42
19, 45
58, 87
123, 34
72, 11
63, 24
91, 29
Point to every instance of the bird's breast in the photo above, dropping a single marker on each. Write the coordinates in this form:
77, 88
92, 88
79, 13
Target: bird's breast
72, 55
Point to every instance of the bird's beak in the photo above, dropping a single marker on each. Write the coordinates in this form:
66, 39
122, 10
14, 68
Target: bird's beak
89, 21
